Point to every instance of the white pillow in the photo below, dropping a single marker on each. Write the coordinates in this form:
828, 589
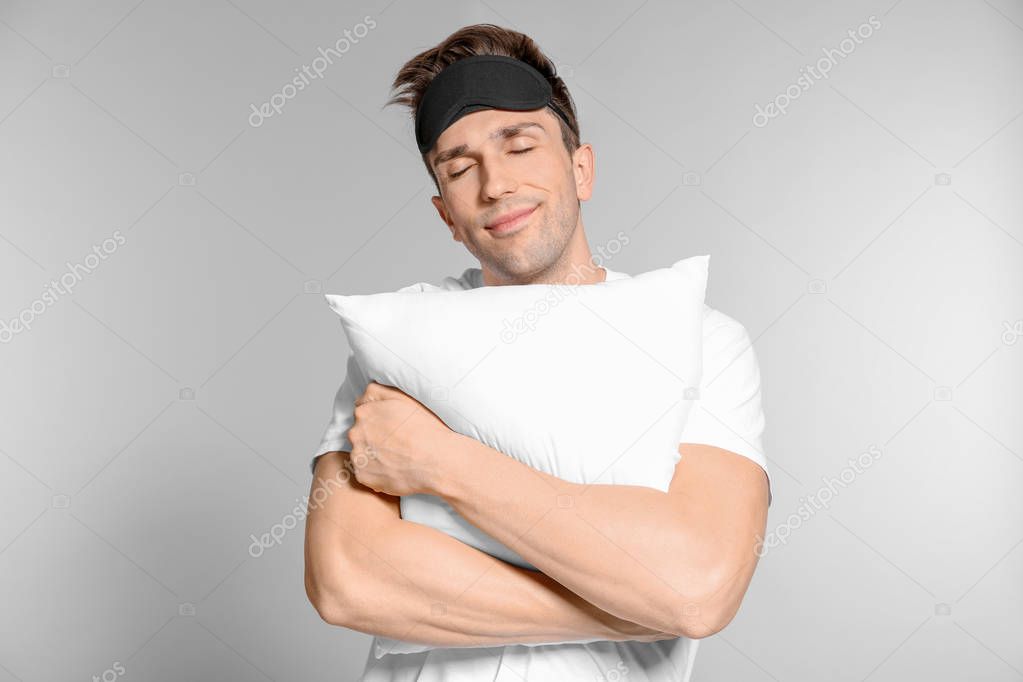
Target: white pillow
585, 382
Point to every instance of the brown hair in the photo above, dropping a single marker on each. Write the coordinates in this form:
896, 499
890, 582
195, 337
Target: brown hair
481, 39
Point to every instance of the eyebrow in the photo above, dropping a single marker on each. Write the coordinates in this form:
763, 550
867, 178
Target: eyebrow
505, 132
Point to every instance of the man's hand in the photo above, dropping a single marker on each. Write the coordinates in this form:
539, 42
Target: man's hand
397, 442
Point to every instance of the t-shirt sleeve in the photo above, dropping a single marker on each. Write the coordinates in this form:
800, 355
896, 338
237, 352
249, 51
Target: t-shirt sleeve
727, 413
335, 436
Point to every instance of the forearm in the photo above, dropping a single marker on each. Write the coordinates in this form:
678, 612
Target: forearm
627, 549
446, 594
409, 582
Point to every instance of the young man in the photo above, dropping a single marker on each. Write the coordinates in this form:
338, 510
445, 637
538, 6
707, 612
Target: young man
640, 575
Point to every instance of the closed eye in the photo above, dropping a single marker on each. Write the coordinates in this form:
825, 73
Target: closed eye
516, 151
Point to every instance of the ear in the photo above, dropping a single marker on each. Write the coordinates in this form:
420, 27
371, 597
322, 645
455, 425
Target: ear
583, 169
438, 203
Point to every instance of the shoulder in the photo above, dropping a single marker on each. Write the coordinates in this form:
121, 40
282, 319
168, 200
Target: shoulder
725, 339
720, 327
469, 279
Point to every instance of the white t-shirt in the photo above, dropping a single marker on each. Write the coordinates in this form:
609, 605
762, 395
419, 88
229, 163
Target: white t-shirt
727, 414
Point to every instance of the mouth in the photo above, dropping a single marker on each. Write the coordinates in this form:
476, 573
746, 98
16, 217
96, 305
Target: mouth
511, 222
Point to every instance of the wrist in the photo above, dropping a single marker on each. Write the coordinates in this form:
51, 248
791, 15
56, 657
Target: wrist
448, 446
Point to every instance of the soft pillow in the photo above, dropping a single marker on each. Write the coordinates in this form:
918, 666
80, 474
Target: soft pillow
586, 382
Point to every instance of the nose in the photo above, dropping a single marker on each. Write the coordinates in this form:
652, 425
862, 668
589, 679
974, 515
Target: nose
497, 178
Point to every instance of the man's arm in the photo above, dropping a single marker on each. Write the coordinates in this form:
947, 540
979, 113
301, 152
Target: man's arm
369, 570
676, 562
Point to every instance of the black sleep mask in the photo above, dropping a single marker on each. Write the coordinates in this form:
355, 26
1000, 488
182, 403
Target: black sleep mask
480, 82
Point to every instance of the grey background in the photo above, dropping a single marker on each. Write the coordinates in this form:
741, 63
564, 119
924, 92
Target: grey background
165, 410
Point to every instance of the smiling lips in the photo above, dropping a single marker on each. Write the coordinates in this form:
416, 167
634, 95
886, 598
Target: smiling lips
510, 222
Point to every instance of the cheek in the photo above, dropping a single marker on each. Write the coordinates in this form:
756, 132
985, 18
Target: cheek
557, 178
549, 167
457, 205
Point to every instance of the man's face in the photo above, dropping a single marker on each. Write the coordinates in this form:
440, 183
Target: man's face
492, 163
